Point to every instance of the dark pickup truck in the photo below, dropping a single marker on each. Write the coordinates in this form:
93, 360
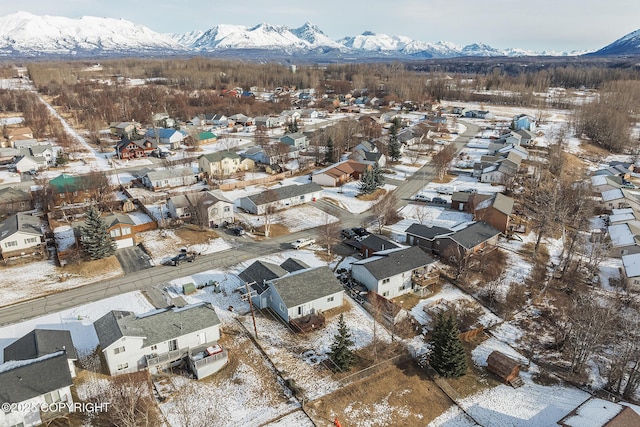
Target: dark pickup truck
182, 257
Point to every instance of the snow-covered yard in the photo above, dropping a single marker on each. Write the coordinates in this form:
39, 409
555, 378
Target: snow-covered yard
294, 219
345, 197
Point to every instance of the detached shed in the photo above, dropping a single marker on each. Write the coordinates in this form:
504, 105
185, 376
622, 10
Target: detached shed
505, 367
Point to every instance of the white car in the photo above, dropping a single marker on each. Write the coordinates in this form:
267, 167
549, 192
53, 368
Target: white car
301, 243
422, 198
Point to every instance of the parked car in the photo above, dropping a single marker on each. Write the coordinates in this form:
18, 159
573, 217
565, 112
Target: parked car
360, 231
238, 231
347, 233
301, 243
439, 200
422, 198
183, 256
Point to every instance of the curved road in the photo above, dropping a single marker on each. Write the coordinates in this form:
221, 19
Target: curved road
248, 249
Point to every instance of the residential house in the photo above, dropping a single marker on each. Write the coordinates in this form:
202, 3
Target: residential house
504, 168
527, 138
219, 120
7, 155
25, 163
69, 189
19, 133
465, 201
470, 240
511, 138
339, 173
256, 277
125, 129
407, 137
619, 216
21, 234
43, 151
479, 114
624, 240
294, 264
24, 143
523, 121
424, 236
162, 338
281, 197
169, 178
297, 140
517, 149
367, 152
170, 138
495, 211
372, 244
14, 200
223, 163
42, 342
602, 183
596, 412
121, 229
389, 273
241, 119
304, 292
163, 120
32, 383
205, 207
134, 149
269, 122
206, 138
631, 271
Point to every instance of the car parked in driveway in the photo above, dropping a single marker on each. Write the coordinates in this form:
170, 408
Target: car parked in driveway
347, 233
182, 257
301, 243
238, 231
421, 198
360, 231
439, 201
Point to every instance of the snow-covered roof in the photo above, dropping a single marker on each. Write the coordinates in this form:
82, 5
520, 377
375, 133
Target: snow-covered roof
631, 265
621, 235
621, 211
621, 217
598, 180
594, 413
612, 195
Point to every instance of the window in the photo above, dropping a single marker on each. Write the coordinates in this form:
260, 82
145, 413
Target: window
126, 230
281, 307
385, 294
115, 232
227, 209
302, 198
330, 299
215, 211
31, 240
10, 244
154, 347
52, 397
173, 345
401, 288
123, 366
118, 350
385, 280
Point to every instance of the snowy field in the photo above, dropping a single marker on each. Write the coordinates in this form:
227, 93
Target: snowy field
345, 197
295, 219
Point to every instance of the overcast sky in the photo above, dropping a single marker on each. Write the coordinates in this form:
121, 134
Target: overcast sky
562, 25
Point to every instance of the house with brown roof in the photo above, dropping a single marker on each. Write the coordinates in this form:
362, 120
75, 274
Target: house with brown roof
14, 200
339, 173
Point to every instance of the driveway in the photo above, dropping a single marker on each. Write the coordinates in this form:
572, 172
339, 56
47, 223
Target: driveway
133, 259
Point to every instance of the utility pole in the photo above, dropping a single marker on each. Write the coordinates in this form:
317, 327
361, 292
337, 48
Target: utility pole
253, 315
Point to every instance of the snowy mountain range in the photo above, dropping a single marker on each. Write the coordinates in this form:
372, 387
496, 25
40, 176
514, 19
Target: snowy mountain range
627, 45
23, 34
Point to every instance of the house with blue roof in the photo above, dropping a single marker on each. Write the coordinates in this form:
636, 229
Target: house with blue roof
168, 137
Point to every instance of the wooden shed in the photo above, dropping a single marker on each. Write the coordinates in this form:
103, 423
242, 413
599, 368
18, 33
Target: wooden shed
505, 367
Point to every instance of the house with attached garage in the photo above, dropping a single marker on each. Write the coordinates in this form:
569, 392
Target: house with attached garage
33, 385
631, 272
523, 121
339, 173
623, 238
121, 229
41, 342
424, 236
170, 138
495, 211
162, 338
281, 198
21, 234
390, 273
169, 178
25, 163
128, 149
596, 412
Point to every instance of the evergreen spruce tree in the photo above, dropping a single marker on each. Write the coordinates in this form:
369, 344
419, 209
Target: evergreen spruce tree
378, 178
367, 183
292, 127
394, 145
328, 155
95, 237
448, 357
341, 354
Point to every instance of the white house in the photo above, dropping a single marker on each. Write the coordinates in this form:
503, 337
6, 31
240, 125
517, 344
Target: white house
631, 271
223, 163
26, 163
41, 342
389, 272
30, 383
303, 292
169, 178
20, 234
162, 338
169, 137
281, 198
217, 209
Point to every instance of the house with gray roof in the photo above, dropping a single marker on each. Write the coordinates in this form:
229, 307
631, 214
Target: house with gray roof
389, 273
469, 240
121, 229
14, 200
293, 264
496, 211
44, 380
423, 236
40, 342
20, 234
223, 163
169, 178
305, 292
256, 277
208, 208
281, 197
373, 243
297, 140
162, 338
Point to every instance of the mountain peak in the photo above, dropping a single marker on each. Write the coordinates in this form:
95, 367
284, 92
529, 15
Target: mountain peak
626, 45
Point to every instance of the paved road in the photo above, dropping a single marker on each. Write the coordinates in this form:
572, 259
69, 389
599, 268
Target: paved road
245, 249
